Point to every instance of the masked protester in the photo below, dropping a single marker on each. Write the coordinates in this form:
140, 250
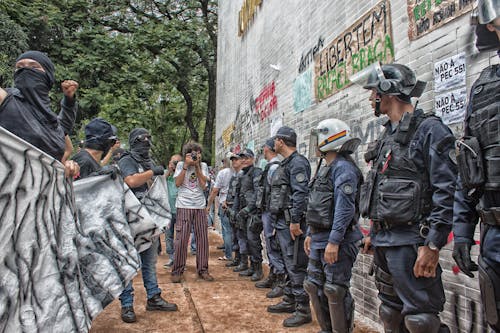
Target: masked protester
137, 169
408, 194
25, 109
333, 231
479, 181
99, 138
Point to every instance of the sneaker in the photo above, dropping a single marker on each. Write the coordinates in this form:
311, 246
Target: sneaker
176, 278
169, 264
156, 303
128, 314
206, 276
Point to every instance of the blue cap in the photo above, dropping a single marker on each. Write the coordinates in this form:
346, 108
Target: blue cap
287, 133
270, 143
246, 153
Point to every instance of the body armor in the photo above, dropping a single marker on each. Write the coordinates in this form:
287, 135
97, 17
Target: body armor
484, 123
396, 191
247, 188
279, 198
263, 190
320, 204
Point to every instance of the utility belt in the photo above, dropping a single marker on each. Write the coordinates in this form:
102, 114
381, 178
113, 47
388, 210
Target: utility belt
314, 230
490, 216
384, 225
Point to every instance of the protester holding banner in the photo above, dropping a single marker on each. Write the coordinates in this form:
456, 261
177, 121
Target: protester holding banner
137, 169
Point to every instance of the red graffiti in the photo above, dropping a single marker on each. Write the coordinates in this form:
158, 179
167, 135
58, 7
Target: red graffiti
266, 102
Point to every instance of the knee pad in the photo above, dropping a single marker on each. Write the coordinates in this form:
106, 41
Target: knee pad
310, 287
422, 323
488, 282
391, 318
334, 292
341, 316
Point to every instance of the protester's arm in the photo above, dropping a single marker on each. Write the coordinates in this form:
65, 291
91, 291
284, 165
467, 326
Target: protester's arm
138, 179
3, 94
213, 193
68, 150
180, 173
202, 174
69, 107
108, 156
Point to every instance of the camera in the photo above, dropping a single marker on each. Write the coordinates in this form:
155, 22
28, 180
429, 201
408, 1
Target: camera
194, 156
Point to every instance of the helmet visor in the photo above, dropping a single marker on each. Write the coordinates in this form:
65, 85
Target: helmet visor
369, 77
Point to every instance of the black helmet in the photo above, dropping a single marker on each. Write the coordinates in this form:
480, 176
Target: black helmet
395, 79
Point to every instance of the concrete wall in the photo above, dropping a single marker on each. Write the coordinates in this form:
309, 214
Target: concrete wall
255, 91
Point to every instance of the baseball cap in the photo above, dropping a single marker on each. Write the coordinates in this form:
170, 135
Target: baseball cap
230, 155
246, 153
98, 129
270, 143
287, 133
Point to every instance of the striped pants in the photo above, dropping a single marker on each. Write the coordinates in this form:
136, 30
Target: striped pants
185, 219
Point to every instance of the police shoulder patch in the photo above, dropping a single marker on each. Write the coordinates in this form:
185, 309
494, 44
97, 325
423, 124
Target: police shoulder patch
347, 189
300, 177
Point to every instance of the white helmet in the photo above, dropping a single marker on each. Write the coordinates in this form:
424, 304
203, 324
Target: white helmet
335, 135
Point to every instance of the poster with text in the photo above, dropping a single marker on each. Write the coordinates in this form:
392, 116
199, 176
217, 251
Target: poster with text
450, 73
451, 106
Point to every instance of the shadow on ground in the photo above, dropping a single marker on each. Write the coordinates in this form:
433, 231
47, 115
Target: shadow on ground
229, 304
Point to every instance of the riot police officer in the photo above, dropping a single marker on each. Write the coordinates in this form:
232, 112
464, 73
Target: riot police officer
229, 206
479, 181
333, 233
248, 218
288, 202
408, 194
276, 277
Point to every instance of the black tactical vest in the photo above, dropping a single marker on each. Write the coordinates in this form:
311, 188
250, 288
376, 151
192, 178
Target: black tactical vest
320, 205
263, 190
231, 192
280, 189
247, 190
484, 123
396, 192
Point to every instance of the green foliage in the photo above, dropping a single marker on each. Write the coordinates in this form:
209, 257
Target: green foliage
141, 63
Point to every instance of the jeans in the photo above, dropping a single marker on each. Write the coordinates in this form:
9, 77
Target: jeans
148, 267
193, 240
227, 233
169, 238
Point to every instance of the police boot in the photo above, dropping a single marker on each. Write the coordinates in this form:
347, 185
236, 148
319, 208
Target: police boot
236, 261
422, 323
341, 309
249, 271
268, 282
279, 284
301, 316
243, 266
287, 305
257, 274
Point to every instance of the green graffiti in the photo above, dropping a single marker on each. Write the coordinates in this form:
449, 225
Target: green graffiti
368, 55
334, 79
420, 10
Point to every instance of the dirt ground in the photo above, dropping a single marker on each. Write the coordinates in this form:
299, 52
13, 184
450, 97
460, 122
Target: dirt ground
229, 304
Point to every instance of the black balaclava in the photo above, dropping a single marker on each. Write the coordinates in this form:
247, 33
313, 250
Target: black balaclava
35, 85
140, 149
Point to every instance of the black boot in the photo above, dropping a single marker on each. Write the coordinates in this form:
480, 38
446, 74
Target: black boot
268, 282
257, 274
300, 317
156, 303
287, 305
236, 261
249, 271
278, 286
128, 314
243, 266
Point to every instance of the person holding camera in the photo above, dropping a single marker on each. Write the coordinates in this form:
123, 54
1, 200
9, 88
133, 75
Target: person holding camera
191, 179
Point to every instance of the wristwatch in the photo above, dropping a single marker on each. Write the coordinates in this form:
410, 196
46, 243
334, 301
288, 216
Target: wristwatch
432, 246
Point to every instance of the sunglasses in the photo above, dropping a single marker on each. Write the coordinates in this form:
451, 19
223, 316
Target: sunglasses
144, 137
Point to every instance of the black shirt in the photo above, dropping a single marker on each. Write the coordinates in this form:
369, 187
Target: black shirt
86, 162
129, 166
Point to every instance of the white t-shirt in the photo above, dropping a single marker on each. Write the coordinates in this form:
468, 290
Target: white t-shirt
222, 183
190, 193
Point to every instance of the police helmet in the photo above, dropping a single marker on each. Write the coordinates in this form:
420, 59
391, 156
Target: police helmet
335, 135
486, 12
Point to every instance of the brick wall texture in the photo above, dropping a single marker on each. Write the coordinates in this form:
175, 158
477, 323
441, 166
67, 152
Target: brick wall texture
257, 88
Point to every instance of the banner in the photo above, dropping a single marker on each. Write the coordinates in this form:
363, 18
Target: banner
428, 15
157, 204
367, 40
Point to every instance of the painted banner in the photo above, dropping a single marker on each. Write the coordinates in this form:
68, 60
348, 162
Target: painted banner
367, 40
428, 15
451, 106
157, 204
450, 73
227, 133
302, 91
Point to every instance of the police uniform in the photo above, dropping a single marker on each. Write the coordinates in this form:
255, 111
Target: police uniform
276, 263
408, 194
332, 217
232, 203
482, 122
288, 203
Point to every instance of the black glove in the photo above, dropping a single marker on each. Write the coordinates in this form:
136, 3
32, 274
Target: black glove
461, 254
111, 170
158, 170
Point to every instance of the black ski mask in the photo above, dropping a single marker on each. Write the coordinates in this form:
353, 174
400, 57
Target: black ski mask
140, 146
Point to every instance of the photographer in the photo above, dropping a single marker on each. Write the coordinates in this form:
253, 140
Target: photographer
191, 178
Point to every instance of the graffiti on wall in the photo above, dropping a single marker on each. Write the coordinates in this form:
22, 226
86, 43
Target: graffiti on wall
308, 57
246, 14
302, 91
266, 102
367, 40
428, 15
